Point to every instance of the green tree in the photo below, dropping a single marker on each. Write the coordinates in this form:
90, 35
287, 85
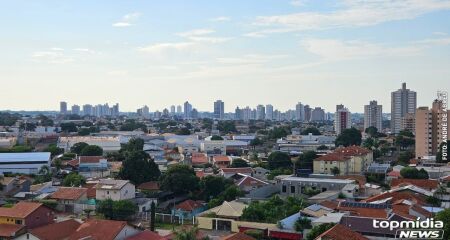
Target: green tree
302, 223
319, 229
239, 163
226, 127
405, 139
371, 131
444, 216
131, 125
74, 180
135, 144
335, 171
349, 137
314, 131
279, 160
92, 150
68, 127
216, 138
117, 210
54, 150
413, 173
139, 168
272, 210
306, 159
179, 179
211, 186
183, 131
78, 147
152, 216
256, 142
278, 132
404, 157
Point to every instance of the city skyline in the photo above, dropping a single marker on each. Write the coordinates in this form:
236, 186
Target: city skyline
244, 53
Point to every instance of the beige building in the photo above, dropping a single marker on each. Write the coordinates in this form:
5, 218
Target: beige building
429, 129
349, 160
409, 122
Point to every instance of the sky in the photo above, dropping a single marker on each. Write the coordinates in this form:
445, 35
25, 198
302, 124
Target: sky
279, 52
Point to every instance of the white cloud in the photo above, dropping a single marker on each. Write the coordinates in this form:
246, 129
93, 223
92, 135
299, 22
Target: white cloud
297, 3
220, 19
351, 13
84, 50
332, 49
429, 42
127, 20
196, 32
249, 59
440, 33
52, 56
203, 35
161, 47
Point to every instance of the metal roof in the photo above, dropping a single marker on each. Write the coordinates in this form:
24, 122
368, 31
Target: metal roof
25, 157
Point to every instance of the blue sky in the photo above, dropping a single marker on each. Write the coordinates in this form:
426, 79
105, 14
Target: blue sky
162, 53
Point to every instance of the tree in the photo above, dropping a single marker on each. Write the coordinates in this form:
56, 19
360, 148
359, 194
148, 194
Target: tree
92, 150
279, 160
413, 173
74, 180
305, 160
314, 131
216, 138
302, 223
319, 229
371, 131
239, 163
68, 127
404, 157
183, 131
117, 210
131, 125
54, 150
349, 137
405, 139
211, 186
226, 127
335, 171
187, 234
272, 210
444, 216
278, 132
139, 168
179, 179
256, 142
28, 126
84, 131
78, 147
135, 144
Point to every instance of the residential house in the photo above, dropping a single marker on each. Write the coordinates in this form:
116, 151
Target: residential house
427, 184
340, 232
221, 161
316, 210
248, 183
228, 172
260, 172
348, 160
115, 189
53, 231
28, 214
188, 209
70, 199
13, 185
199, 158
11, 231
238, 236
93, 166
150, 187
147, 235
296, 186
97, 229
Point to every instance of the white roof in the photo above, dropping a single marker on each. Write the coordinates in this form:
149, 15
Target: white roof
25, 157
317, 180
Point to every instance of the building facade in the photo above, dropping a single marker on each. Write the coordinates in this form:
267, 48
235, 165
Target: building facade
403, 101
373, 115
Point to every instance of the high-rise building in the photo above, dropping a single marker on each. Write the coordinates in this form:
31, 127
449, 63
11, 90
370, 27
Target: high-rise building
276, 115
63, 107
308, 113
179, 110
300, 112
260, 112
403, 101
88, 110
238, 115
194, 113
373, 115
75, 109
269, 112
172, 110
187, 110
409, 122
115, 110
247, 113
219, 109
431, 128
317, 114
342, 119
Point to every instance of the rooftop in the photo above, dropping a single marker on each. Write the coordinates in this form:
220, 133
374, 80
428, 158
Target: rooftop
20, 210
111, 184
25, 157
64, 230
318, 180
69, 193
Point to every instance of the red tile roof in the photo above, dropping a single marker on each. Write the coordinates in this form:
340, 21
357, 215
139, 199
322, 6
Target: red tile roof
402, 210
91, 190
399, 195
343, 154
341, 232
69, 193
10, 230
330, 204
221, 158
199, 158
427, 184
238, 236
149, 186
146, 235
361, 180
189, 205
394, 174
365, 212
97, 229
237, 170
64, 230
90, 159
20, 210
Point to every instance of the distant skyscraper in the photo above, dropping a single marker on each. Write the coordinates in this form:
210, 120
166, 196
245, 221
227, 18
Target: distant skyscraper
430, 125
219, 109
179, 110
172, 110
115, 110
260, 112
63, 107
247, 113
300, 112
88, 110
187, 110
145, 111
165, 112
75, 109
317, 114
308, 113
373, 115
403, 101
238, 114
194, 113
269, 112
342, 119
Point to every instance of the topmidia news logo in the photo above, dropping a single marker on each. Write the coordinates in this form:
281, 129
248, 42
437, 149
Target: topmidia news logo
426, 229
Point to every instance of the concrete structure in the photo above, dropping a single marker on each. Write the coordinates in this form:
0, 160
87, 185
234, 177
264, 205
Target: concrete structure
7, 142
219, 109
403, 101
115, 189
342, 119
300, 143
24, 163
260, 112
214, 148
300, 112
187, 110
373, 115
317, 115
108, 144
63, 107
409, 122
29, 214
269, 112
429, 129
349, 160
296, 186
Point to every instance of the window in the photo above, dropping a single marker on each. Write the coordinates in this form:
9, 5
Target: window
292, 189
283, 189
107, 192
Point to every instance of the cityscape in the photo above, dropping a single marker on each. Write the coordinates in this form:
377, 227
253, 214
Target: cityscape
233, 120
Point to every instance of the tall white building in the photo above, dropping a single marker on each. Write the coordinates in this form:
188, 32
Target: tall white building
219, 109
317, 114
172, 110
300, 112
75, 109
373, 115
187, 110
342, 119
403, 101
179, 110
63, 107
260, 112
269, 112
88, 110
